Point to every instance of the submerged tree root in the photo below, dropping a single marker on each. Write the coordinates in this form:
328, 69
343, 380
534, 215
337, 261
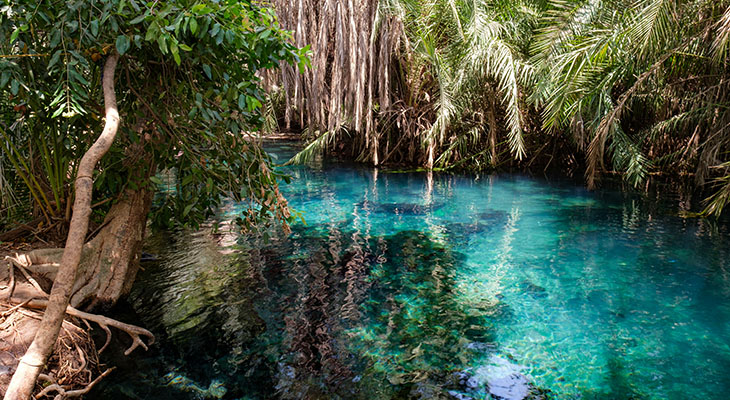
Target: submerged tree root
74, 363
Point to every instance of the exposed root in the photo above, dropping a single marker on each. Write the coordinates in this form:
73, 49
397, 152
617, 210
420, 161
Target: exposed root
4, 314
11, 277
73, 369
135, 332
74, 362
21, 263
65, 393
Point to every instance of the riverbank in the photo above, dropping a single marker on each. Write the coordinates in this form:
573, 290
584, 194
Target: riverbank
74, 366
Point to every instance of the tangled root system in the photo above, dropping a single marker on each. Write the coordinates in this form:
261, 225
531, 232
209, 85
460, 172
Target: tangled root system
73, 366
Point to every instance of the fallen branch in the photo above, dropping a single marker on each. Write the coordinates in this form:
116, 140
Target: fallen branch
15, 308
21, 230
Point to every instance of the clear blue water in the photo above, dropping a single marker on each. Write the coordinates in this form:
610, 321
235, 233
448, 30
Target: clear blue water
410, 285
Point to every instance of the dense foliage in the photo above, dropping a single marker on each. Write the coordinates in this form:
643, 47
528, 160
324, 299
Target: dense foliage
188, 91
637, 87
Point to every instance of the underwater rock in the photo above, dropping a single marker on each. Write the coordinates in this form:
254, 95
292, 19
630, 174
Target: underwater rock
511, 387
460, 231
401, 208
215, 390
533, 290
501, 378
458, 396
493, 217
481, 346
483, 223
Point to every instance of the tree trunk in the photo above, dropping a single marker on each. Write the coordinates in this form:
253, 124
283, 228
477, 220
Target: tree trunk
30, 366
110, 261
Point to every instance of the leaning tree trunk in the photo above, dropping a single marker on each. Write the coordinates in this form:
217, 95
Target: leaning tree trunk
30, 366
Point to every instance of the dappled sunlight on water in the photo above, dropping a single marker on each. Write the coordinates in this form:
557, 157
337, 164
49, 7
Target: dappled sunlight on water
411, 285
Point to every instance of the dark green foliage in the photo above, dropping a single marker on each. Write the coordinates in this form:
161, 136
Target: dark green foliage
634, 87
188, 91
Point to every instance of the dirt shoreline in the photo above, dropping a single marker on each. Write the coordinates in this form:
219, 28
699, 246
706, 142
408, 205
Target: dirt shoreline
74, 364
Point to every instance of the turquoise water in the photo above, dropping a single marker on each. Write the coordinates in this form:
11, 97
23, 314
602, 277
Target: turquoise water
412, 285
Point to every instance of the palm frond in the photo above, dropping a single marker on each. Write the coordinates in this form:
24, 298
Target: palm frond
314, 149
721, 44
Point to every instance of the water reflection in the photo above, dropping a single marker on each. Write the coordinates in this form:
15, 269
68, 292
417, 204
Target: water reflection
439, 286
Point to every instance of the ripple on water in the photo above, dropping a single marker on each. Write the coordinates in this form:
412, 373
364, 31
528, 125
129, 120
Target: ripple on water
405, 286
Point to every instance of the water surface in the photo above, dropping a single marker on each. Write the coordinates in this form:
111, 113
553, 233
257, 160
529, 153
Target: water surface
416, 285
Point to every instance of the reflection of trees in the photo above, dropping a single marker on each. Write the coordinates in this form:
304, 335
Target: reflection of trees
324, 273
414, 334
329, 311
364, 316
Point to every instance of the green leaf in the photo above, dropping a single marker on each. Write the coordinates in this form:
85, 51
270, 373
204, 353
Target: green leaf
185, 47
215, 30
14, 87
242, 101
162, 43
193, 25
176, 57
77, 76
54, 59
14, 35
206, 69
56, 37
152, 32
156, 180
94, 27
138, 19
122, 44
201, 9
4, 78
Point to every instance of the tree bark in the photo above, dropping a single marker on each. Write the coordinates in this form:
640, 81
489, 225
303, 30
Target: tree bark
110, 261
30, 366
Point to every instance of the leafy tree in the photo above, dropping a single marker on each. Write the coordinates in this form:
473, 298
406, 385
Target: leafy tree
634, 87
186, 78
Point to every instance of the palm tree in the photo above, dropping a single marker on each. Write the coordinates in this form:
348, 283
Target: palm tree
634, 87
641, 82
